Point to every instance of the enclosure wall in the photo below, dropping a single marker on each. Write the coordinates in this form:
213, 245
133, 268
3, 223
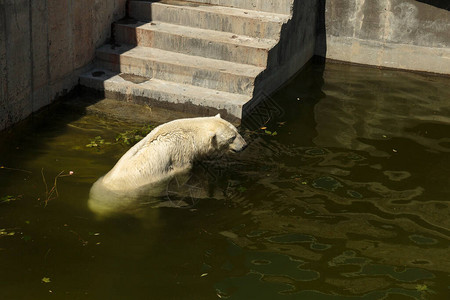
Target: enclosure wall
44, 45
404, 34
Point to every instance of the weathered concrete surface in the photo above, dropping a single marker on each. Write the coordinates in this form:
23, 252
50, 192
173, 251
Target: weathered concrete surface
180, 68
200, 42
220, 18
405, 34
44, 46
275, 6
17, 64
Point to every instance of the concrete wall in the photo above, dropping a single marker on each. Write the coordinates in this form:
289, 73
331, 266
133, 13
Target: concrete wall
44, 45
405, 34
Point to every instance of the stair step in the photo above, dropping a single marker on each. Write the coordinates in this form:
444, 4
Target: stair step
180, 68
194, 41
220, 18
165, 93
273, 6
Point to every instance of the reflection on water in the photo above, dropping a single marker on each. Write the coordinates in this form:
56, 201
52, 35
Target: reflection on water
348, 200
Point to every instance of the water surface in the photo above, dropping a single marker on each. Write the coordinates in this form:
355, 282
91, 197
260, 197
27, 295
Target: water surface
344, 194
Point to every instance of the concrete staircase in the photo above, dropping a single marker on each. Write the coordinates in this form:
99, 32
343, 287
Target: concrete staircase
205, 57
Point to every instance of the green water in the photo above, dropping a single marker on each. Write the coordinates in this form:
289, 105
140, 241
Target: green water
349, 199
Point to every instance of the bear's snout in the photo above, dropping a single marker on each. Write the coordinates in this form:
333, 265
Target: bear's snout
238, 144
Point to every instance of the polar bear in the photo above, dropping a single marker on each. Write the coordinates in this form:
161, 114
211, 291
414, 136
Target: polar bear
167, 151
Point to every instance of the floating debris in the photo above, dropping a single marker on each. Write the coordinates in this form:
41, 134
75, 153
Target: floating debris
9, 198
46, 280
4, 232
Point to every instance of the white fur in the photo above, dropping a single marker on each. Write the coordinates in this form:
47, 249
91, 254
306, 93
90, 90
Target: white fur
168, 150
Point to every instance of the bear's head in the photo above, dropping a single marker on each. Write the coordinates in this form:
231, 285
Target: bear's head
225, 137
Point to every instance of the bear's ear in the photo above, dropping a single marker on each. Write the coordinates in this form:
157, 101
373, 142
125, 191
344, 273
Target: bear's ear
217, 116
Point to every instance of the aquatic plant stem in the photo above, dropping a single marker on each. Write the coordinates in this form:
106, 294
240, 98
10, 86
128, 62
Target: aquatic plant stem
53, 193
14, 169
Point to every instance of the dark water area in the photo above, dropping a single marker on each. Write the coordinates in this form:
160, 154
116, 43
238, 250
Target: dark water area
344, 194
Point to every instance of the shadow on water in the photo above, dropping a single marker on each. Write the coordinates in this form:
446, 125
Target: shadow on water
342, 195
32, 135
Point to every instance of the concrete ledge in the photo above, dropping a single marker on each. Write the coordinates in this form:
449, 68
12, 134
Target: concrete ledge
398, 56
408, 34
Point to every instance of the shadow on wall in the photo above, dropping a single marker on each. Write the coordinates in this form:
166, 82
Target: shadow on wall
444, 4
298, 44
321, 31
298, 35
